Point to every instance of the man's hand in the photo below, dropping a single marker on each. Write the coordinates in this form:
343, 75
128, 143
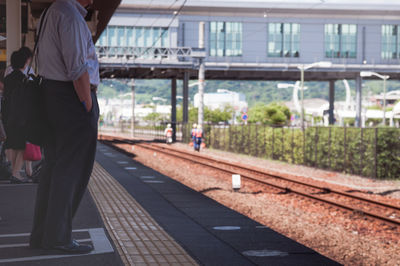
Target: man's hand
82, 88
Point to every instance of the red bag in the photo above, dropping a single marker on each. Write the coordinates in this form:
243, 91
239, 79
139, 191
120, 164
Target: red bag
32, 152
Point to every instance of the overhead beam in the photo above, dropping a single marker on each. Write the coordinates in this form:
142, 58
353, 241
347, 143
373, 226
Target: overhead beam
106, 10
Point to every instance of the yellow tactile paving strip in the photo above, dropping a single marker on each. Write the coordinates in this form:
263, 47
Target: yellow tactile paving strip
138, 238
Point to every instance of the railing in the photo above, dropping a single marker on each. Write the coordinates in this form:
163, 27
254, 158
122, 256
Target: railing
372, 152
132, 53
150, 131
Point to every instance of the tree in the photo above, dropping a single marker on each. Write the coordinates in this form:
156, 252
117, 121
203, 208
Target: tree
154, 117
211, 116
218, 115
193, 114
272, 114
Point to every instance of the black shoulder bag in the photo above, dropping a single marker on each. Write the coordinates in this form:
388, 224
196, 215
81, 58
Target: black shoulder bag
36, 123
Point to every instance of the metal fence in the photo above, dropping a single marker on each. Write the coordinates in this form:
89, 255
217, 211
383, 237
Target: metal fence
372, 152
151, 131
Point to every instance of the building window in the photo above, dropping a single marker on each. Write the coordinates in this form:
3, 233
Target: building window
390, 42
225, 38
127, 36
341, 40
283, 40
102, 41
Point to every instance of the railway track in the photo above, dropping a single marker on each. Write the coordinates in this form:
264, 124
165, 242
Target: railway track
340, 199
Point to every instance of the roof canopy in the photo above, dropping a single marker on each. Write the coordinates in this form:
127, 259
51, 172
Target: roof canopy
106, 10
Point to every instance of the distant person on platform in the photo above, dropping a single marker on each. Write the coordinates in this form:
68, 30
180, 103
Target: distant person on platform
168, 132
199, 137
67, 61
193, 133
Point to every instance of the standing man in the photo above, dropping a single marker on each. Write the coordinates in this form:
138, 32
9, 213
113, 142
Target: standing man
67, 61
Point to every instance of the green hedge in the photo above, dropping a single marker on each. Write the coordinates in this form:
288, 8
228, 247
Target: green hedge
373, 152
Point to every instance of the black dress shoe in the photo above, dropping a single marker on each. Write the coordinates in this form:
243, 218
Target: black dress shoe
75, 248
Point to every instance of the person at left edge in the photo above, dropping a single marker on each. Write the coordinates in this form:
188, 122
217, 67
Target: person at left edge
27, 53
68, 64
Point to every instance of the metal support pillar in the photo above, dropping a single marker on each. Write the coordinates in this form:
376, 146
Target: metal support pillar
302, 97
185, 94
13, 21
331, 102
358, 100
133, 108
201, 75
173, 108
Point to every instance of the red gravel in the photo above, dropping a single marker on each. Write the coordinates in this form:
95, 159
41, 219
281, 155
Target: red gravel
342, 236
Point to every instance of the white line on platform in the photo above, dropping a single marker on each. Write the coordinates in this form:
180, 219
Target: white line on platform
147, 177
130, 168
14, 245
153, 181
28, 234
226, 228
16, 185
122, 162
27, 244
98, 236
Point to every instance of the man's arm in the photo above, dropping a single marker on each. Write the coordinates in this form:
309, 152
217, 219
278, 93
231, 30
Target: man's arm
82, 88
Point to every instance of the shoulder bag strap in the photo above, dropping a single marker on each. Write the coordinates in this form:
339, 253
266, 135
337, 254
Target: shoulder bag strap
37, 38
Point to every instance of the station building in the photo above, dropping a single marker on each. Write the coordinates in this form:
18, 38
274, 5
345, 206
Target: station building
223, 98
347, 33
253, 40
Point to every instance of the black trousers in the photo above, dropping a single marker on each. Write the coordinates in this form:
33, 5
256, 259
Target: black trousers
69, 156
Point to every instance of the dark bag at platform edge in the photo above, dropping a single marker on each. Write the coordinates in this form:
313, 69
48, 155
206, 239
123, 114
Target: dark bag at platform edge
36, 125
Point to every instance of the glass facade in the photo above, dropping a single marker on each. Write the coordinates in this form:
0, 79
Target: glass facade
283, 40
128, 36
225, 38
341, 40
390, 42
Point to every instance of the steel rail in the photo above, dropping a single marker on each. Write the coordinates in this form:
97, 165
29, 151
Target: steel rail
397, 208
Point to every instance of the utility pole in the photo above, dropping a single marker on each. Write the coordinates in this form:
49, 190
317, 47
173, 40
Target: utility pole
201, 75
358, 101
